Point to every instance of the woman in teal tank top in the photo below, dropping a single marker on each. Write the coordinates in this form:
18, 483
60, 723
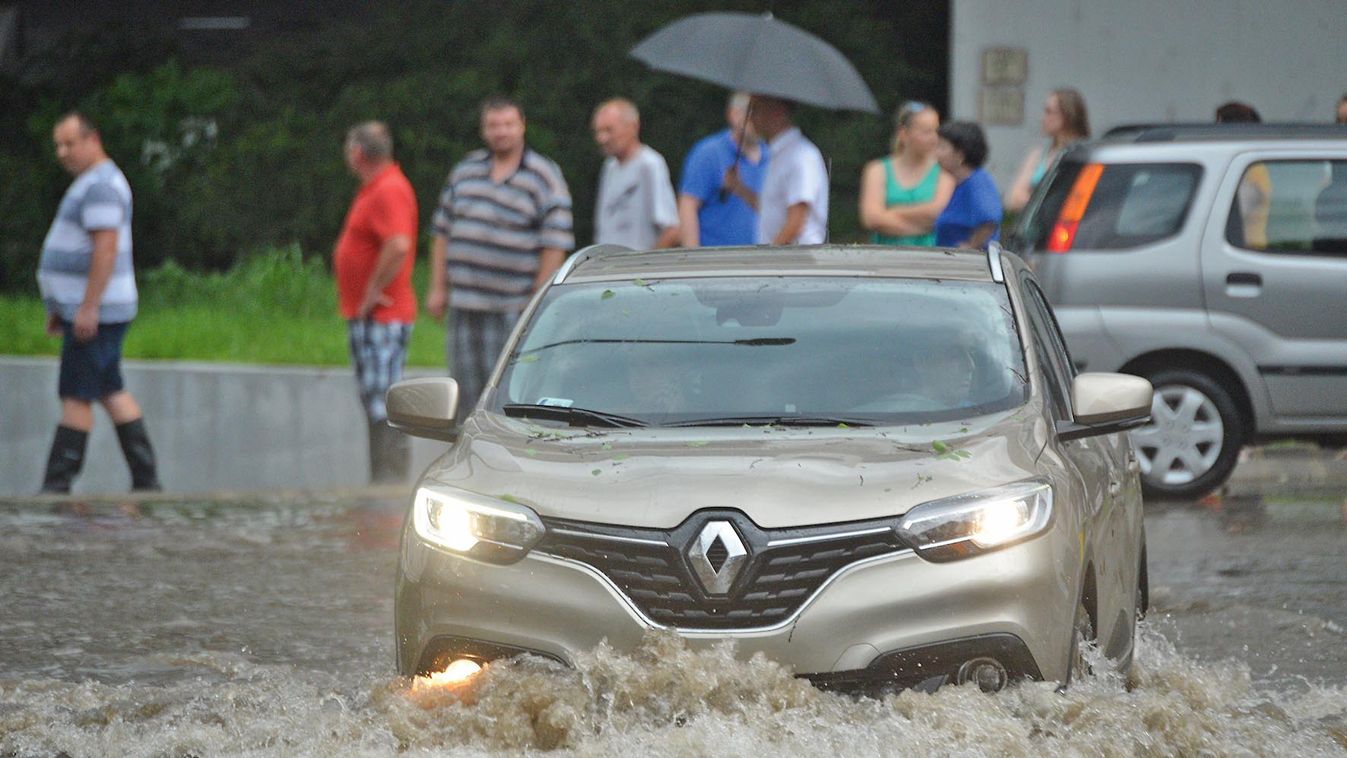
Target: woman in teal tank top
903, 193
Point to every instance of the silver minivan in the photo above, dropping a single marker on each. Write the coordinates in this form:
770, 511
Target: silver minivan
1211, 260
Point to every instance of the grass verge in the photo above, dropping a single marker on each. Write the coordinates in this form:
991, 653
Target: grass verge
272, 307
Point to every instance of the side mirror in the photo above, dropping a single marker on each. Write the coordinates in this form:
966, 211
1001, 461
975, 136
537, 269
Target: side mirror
424, 407
1107, 403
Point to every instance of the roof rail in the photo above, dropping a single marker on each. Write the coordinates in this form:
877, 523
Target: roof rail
1177, 132
583, 253
994, 261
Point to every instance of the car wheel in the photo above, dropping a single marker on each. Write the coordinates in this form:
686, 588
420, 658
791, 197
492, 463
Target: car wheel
1082, 637
1193, 439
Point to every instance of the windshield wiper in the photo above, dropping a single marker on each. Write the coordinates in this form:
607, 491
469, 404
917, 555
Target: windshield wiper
750, 342
773, 421
573, 416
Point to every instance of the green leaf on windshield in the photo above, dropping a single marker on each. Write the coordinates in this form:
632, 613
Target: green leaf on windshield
842, 425
698, 443
939, 447
640, 282
596, 472
528, 358
621, 457
607, 294
530, 452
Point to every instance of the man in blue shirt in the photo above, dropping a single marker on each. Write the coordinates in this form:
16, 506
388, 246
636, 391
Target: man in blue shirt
708, 212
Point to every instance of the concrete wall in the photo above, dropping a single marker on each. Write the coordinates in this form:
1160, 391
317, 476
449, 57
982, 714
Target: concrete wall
1152, 60
214, 427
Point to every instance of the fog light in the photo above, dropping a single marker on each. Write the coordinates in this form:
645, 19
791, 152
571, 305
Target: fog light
457, 673
987, 673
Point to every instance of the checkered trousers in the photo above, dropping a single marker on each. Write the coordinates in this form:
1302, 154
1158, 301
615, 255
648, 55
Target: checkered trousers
473, 345
378, 352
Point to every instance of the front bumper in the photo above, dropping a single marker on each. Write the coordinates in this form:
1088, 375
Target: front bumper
890, 617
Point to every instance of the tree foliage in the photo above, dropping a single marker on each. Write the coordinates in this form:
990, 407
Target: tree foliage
224, 161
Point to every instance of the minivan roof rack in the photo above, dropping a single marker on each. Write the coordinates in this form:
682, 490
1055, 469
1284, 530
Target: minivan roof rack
580, 255
1182, 132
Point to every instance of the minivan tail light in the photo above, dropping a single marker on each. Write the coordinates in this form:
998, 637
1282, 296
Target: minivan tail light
1063, 232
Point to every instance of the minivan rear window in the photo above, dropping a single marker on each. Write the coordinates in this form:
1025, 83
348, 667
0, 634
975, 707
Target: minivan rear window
1132, 204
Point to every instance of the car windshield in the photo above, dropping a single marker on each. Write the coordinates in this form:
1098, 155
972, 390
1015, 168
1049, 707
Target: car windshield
787, 350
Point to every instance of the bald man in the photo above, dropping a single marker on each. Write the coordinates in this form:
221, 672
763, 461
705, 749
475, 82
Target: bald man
635, 206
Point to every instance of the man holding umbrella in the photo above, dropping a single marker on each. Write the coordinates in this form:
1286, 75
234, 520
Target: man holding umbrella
782, 65
793, 206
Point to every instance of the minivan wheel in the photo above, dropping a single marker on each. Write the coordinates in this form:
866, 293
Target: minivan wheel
1193, 439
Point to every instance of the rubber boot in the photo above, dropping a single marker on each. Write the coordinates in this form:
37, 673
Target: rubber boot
65, 461
388, 454
139, 456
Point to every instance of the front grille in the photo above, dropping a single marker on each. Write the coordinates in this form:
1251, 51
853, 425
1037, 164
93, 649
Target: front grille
652, 568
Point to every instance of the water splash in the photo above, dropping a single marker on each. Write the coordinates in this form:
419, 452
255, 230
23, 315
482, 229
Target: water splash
664, 699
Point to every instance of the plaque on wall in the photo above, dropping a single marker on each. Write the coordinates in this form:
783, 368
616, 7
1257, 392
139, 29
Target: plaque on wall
1005, 65
1001, 105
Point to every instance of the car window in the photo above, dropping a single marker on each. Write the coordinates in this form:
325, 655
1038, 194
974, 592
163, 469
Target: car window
1111, 207
683, 350
1055, 360
1291, 206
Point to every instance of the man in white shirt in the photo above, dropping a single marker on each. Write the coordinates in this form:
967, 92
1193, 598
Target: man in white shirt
793, 204
635, 206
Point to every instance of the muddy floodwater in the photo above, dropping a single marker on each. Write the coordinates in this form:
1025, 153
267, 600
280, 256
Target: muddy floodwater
265, 628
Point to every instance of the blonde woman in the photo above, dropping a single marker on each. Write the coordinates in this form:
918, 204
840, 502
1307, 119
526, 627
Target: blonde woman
902, 193
1065, 120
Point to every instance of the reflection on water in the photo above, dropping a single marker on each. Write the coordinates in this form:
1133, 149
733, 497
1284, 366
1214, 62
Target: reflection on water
265, 629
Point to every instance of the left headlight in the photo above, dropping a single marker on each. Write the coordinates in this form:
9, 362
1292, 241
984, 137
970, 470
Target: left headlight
967, 525
481, 527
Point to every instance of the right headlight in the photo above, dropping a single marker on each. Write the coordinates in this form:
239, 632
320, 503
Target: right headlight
477, 526
978, 522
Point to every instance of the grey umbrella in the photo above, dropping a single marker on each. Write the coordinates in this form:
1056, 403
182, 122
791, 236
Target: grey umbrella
757, 54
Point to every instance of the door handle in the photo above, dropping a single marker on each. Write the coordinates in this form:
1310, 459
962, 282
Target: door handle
1114, 487
1133, 466
1243, 284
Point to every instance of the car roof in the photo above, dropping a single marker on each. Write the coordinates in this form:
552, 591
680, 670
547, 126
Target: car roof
1211, 132
612, 262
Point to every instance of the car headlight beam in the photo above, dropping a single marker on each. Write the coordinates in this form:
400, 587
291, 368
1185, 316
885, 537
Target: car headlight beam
975, 523
475, 525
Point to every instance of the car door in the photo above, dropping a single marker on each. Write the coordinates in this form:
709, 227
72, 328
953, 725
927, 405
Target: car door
1274, 270
1101, 462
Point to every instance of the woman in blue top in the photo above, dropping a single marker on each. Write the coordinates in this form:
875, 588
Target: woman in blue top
901, 194
973, 216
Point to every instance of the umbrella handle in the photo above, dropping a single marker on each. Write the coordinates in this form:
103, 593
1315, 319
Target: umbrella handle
738, 146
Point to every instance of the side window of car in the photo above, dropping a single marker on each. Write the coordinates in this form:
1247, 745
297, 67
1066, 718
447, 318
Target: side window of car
1054, 361
1111, 206
1298, 207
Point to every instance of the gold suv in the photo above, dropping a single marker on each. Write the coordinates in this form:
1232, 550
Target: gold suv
876, 466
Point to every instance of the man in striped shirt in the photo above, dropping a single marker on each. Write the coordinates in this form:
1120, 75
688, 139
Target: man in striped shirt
88, 285
503, 226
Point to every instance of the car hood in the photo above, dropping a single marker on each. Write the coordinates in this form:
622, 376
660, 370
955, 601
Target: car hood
778, 477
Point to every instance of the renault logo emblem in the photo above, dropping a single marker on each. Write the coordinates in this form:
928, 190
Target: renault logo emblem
717, 556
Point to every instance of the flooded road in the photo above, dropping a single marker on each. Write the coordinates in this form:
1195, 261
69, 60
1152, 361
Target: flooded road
165, 629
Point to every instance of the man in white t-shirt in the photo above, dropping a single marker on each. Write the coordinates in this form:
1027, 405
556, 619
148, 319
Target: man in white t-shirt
636, 205
793, 204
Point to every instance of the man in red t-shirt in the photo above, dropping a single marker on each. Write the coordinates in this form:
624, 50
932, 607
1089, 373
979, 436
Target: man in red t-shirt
373, 266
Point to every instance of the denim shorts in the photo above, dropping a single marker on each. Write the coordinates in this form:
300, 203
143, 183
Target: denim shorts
91, 370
